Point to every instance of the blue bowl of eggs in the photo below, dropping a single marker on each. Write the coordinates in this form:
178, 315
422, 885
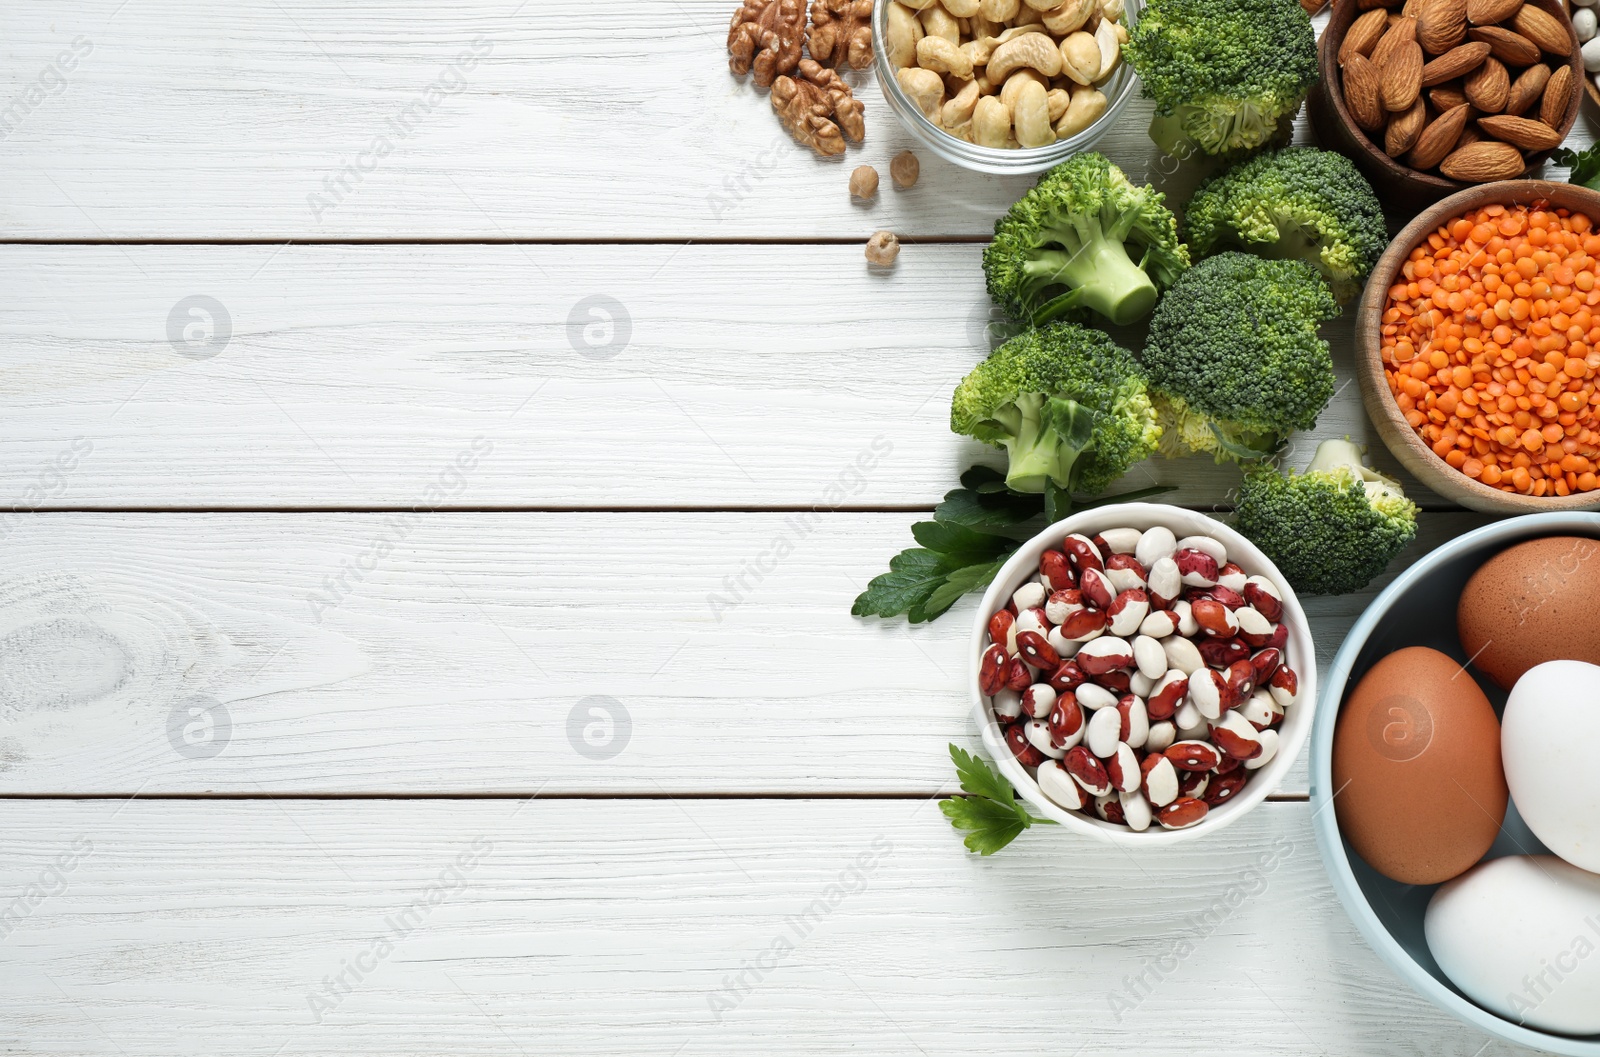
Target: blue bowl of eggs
1455, 779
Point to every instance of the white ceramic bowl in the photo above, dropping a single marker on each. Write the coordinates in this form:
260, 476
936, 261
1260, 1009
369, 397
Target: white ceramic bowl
1119, 91
1299, 654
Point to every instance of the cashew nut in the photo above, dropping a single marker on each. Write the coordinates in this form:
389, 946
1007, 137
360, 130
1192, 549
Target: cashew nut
1105, 36
1016, 31
903, 32
925, 88
1031, 116
1029, 16
936, 22
1014, 83
979, 51
1079, 58
1033, 50
1041, 5
1112, 9
959, 109
1069, 17
941, 56
979, 27
991, 123
962, 131
961, 8
1057, 98
999, 10
918, 5
1085, 109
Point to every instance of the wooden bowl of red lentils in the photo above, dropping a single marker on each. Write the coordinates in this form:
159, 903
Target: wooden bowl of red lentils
1478, 341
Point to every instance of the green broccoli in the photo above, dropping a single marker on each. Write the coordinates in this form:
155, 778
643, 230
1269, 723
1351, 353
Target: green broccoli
1226, 75
1299, 202
1331, 529
1233, 357
1067, 403
1062, 251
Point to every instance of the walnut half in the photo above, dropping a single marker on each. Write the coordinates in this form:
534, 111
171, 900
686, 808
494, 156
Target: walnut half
766, 36
841, 33
818, 109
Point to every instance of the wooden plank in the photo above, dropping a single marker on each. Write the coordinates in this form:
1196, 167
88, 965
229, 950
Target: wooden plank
620, 927
353, 376
474, 653
405, 119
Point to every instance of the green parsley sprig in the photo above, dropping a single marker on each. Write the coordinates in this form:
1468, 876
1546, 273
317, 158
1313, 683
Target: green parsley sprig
991, 814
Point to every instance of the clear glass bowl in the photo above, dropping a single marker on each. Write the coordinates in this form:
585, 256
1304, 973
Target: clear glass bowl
1119, 90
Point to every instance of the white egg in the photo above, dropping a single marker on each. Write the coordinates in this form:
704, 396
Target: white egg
1547, 739
1520, 936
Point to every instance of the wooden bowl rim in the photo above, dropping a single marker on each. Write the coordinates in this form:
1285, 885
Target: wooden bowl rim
1328, 64
1415, 455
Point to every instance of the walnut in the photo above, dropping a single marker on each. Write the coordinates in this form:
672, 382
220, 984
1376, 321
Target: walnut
818, 109
841, 32
766, 36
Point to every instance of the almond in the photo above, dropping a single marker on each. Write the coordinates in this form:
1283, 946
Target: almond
1441, 25
1368, 5
1447, 97
1511, 48
1557, 98
1544, 29
1489, 12
1364, 34
1362, 92
1484, 162
1488, 87
1527, 88
1404, 129
1401, 78
1457, 62
1520, 132
1409, 8
1470, 135
1401, 32
1439, 138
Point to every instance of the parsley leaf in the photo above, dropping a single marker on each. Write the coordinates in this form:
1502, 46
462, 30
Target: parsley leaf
1585, 166
991, 814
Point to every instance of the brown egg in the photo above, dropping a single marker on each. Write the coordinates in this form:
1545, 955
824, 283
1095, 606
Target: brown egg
1536, 602
1419, 790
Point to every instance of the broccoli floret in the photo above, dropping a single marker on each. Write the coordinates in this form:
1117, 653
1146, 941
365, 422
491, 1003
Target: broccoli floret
1225, 74
1332, 528
1084, 240
1068, 404
1234, 360
1300, 202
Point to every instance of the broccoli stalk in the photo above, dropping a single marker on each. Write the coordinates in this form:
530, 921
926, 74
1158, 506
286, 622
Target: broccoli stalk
1047, 434
1083, 243
1094, 266
1068, 405
1332, 528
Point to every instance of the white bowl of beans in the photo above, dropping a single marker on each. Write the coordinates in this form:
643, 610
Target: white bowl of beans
1142, 673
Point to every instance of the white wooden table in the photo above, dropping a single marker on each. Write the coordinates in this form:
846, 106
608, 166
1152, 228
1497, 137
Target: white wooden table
439, 510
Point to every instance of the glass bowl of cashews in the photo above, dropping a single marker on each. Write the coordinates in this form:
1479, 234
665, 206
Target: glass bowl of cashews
1005, 86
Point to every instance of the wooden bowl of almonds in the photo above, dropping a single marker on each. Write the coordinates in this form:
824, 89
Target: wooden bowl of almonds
1429, 97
